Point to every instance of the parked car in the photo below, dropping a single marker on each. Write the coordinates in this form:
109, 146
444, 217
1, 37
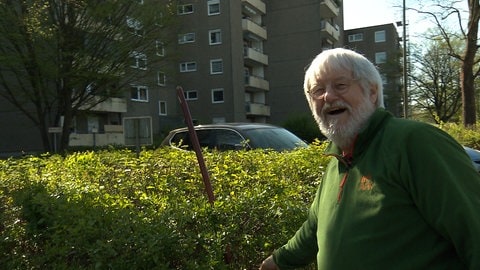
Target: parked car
474, 156
236, 136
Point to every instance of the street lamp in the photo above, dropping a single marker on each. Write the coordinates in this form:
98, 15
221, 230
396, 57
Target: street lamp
405, 66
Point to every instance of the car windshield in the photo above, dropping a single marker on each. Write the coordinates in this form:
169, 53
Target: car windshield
278, 139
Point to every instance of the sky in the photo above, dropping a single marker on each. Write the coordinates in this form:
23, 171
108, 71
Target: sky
363, 13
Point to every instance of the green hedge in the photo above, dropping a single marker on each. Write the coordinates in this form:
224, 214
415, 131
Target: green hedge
113, 210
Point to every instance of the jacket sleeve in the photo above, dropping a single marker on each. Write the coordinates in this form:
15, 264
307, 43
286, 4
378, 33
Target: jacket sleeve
302, 248
446, 189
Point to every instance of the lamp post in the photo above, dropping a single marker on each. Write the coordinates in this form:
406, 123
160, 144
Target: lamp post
405, 65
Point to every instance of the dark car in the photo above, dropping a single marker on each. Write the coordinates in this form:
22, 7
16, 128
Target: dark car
474, 156
236, 136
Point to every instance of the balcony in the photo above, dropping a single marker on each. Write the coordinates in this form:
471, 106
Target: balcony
256, 84
252, 56
254, 7
329, 9
330, 30
257, 109
254, 30
96, 139
111, 135
109, 105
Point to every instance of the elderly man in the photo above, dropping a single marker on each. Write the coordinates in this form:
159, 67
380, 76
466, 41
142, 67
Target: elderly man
397, 194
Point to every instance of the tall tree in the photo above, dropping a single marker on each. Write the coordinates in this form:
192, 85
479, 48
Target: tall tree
468, 57
436, 81
61, 56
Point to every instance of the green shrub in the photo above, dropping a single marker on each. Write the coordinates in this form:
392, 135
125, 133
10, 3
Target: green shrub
467, 136
113, 210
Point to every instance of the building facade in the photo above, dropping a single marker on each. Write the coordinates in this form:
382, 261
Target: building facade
236, 61
298, 31
381, 45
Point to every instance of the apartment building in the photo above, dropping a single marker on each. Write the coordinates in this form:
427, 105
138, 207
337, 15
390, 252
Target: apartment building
222, 61
298, 31
236, 61
381, 45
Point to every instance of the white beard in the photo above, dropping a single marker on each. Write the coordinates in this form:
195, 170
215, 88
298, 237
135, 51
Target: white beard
344, 135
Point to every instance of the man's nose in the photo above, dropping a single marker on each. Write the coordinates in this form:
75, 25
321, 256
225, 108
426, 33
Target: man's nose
330, 93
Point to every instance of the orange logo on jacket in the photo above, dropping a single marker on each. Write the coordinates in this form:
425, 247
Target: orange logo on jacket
366, 183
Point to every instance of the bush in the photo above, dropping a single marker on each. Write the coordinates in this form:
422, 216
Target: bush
466, 136
113, 210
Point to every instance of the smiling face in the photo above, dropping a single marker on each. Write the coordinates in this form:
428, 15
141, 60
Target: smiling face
343, 108
343, 89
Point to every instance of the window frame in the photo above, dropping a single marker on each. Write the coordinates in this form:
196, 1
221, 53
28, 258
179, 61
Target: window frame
135, 26
185, 9
162, 108
159, 48
214, 62
218, 90
186, 38
139, 95
186, 94
184, 66
140, 60
355, 37
380, 57
161, 78
380, 36
217, 37
213, 3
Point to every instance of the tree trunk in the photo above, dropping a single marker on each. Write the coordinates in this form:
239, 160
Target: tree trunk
467, 78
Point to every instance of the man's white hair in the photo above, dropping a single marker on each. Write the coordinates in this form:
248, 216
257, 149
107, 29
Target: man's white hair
340, 60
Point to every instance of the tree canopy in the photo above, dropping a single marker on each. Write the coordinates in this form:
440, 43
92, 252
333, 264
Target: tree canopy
60, 56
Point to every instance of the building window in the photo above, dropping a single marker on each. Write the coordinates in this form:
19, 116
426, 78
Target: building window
135, 26
139, 60
217, 95
159, 48
161, 78
190, 95
213, 7
138, 130
384, 79
188, 66
162, 107
185, 9
139, 93
380, 36
186, 38
380, 57
216, 66
215, 36
355, 37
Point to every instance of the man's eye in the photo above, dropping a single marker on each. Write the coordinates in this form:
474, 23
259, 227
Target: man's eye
319, 91
341, 86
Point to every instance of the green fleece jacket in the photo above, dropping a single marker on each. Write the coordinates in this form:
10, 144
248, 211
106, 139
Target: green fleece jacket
408, 198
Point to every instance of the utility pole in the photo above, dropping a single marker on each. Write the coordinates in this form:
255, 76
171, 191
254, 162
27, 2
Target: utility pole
405, 64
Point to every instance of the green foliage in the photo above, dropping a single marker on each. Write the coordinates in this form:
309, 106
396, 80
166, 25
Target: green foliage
305, 127
113, 210
467, 136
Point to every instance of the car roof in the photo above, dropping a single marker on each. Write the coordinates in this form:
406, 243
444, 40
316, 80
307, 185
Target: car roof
232, 125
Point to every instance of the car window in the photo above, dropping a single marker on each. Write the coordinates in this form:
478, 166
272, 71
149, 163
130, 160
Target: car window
229, 140
181, 139
273, 138
220, 139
